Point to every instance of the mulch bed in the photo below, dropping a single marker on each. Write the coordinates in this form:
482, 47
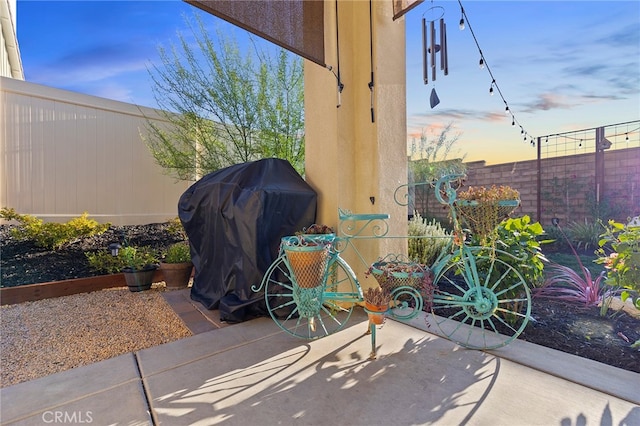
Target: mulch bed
584, 332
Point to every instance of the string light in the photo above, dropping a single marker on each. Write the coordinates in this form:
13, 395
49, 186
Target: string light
483, 64
616, 134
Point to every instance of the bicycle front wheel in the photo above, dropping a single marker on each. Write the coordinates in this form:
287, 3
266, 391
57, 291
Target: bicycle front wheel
289, 305
481, 302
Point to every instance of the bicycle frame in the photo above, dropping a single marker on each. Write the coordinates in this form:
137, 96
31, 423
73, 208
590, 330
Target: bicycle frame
485, 293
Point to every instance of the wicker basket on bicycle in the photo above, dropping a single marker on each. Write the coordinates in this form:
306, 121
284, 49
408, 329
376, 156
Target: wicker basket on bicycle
483, 209
392, 274
308, 257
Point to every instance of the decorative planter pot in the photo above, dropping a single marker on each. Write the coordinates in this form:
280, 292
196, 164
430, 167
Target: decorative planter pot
393, 274
176, 275
308, 256
410, 284
376, 313
139, 280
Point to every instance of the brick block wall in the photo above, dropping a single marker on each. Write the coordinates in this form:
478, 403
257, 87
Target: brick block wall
567, 189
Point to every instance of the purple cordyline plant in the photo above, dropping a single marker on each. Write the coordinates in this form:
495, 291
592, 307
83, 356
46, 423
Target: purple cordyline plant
566, 284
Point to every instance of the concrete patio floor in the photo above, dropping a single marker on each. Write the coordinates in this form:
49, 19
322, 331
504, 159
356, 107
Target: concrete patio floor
253, 373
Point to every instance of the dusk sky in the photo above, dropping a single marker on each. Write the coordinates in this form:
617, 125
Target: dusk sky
560, 65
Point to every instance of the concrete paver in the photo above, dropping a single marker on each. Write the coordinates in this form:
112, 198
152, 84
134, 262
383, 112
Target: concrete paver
104, 393
418, 378
195, 316
589, 373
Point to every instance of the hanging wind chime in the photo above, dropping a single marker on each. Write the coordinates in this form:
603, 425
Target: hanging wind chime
431, 48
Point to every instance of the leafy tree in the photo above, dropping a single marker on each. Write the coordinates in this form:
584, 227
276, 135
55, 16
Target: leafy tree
221, 108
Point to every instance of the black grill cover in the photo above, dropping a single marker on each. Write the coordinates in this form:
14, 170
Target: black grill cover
235, 218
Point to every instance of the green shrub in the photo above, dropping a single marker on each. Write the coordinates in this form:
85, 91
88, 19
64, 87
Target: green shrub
104, 261
175, 228
555, 239
50, 235
136, 258
584, 235
177, 253
426, 250
521, 239
620, 253
514, 246
10, 214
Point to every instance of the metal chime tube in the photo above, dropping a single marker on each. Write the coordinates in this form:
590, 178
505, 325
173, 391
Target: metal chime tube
442, 45
425, 69
433, 51
444, 50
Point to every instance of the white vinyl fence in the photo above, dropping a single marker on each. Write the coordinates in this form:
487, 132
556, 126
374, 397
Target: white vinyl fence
64, 153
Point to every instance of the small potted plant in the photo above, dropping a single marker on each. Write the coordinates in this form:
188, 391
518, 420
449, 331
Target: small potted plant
395, 271
376, 302
176, 265
392, 272
308, 254
316, 235
140, 264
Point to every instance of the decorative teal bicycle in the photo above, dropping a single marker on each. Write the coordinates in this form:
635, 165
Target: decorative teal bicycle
476, 299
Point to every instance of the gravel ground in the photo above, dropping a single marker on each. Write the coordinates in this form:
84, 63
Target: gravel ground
53, 335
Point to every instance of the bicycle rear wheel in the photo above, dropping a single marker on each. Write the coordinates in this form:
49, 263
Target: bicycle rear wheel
311, 313
481, 302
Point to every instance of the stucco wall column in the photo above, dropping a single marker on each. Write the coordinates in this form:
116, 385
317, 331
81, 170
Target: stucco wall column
349, 159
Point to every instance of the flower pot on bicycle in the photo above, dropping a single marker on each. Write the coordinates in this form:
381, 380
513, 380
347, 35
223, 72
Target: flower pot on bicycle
376, 313
308, 256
